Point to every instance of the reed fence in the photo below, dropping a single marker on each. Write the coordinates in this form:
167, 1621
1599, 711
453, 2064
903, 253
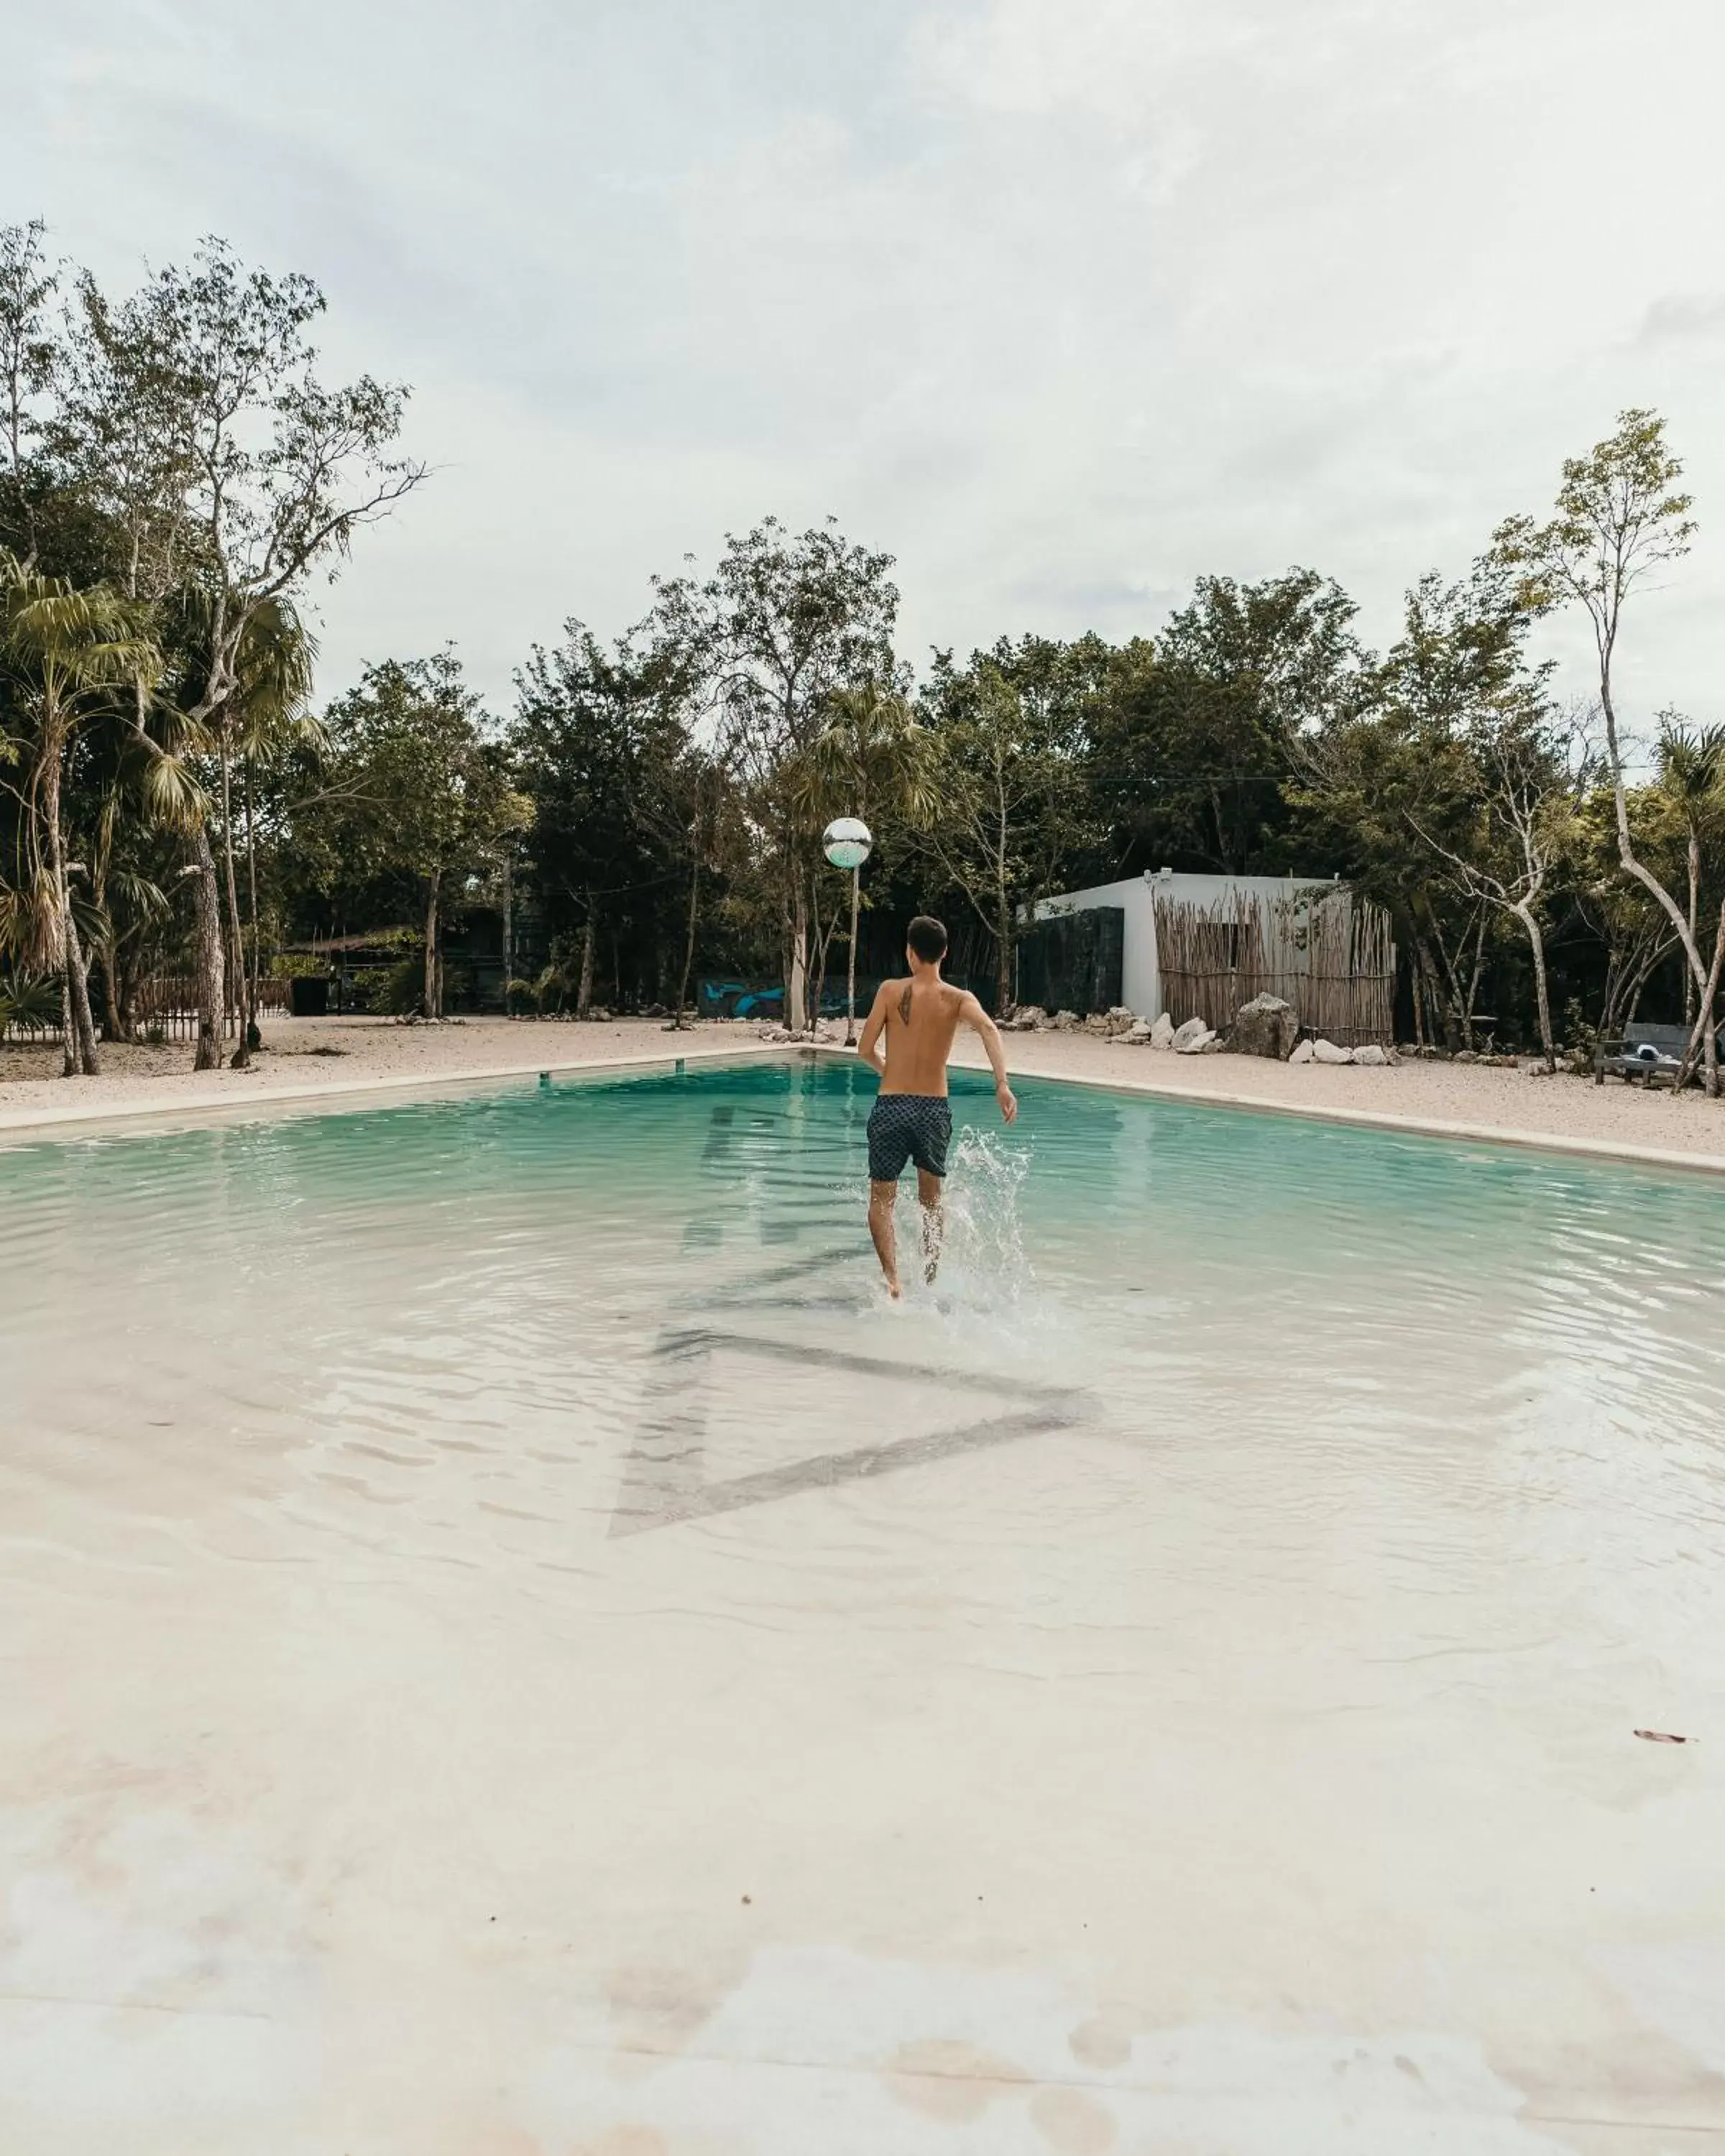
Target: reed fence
1333, 956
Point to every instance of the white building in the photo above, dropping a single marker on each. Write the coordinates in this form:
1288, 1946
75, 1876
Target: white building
1141, 974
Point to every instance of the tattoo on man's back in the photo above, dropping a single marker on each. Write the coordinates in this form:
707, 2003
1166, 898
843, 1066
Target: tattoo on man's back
904, 1004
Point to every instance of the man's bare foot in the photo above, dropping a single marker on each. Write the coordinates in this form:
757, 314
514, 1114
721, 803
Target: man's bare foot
895, 1291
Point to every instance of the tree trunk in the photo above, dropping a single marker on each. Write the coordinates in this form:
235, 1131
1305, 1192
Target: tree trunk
1704, 1039
77, 1043
68, 1030
1440, 1004
1003, 997
820, 942
508, 931
1440, 1010
850, 966
432, 883
1003, 957
251, 871
81, 1013
126, 962
1541, 992
796, 1014
689, 945
1625, 844
241, 1058
210, 986
584, 993
113, 1017
50, 815
1689, 982
1614, 974
1473, 985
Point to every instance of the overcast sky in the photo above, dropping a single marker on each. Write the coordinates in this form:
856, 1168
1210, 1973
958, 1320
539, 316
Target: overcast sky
1063, 302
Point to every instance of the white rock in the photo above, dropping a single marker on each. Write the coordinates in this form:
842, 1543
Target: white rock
1369, 1053
1139, 1032
1326, 1051
1065, 1022
1161, 1033
1303, 1053
1185, 1038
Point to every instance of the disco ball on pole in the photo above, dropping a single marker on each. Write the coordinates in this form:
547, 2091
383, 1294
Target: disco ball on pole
847, 842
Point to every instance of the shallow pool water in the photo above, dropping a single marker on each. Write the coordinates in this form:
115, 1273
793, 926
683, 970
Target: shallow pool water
511, 1644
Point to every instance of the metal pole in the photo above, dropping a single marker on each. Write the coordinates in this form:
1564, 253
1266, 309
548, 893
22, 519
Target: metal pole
850, 994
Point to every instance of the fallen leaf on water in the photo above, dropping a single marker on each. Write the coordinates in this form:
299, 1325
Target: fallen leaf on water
1661, 1736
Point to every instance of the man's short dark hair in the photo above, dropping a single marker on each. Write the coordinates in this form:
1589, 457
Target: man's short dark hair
927, 938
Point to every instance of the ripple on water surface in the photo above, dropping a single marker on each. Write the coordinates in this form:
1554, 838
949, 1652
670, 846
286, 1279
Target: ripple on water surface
433, 1331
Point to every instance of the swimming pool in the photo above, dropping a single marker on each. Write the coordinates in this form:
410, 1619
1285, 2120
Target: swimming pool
512, 1645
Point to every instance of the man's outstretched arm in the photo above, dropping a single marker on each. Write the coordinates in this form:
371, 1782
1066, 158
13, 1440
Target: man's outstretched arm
869, 1047
978, 1020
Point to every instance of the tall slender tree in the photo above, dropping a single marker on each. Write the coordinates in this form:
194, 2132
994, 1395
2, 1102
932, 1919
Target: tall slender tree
871, 759
601, 740
28, 285
414, 794
1620, 518
1009, 805
1689, 765
70, 654
198, 419
782, 622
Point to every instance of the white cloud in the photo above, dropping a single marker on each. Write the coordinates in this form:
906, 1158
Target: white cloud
1684, 315
1065, 304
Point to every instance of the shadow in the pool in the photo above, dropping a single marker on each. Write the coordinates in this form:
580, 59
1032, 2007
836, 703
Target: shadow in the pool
667, 1479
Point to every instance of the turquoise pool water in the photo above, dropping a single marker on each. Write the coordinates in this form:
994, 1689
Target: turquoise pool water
1501, 1318
1265, 1536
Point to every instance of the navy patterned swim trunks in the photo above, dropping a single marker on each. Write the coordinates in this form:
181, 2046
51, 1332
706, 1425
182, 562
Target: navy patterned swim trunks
905, 1127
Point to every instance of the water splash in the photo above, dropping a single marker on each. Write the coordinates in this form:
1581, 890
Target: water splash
984, 1270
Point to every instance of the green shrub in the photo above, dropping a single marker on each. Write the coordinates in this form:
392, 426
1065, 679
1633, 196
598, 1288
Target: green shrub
399, 989
29, 1000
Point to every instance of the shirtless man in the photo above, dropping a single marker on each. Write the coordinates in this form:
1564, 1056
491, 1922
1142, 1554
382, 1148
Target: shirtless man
907, 1040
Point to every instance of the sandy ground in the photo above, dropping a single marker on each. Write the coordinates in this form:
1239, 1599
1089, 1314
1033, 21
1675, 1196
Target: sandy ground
306, 1055
1563, 1111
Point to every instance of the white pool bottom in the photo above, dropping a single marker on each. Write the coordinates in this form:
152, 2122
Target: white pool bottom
1068, 1789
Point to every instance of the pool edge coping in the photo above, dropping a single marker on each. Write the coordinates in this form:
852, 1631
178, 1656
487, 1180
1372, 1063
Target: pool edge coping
47, 1121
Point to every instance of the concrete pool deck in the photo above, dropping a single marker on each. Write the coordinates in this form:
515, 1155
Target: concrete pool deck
373, 1057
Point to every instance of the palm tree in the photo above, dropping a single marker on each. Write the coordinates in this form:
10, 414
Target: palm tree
870, 759
71, 655
1689, 765
1690, 772
263, 713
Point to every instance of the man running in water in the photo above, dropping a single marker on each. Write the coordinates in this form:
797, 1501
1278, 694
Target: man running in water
907, 1040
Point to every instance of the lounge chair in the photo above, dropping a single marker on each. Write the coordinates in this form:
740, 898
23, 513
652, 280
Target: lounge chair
1648, 1052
